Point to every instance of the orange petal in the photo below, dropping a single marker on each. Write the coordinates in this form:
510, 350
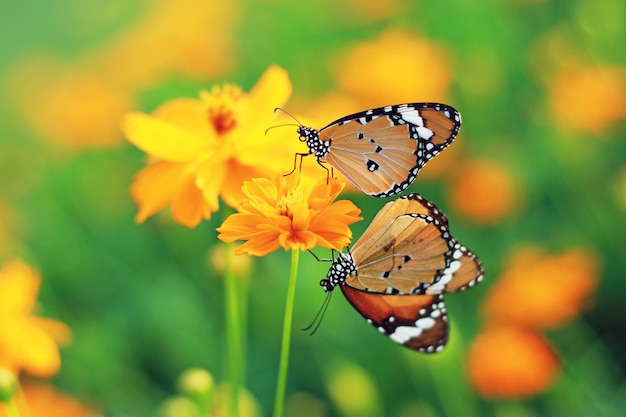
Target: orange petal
188, 207
180, 136
511, 362
155, 186
231, 190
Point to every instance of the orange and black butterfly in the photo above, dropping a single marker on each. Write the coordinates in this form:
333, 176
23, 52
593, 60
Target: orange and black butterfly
395, 275
381, 151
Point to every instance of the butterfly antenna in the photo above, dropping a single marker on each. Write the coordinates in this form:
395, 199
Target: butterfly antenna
283, 125
288, 114
317, 320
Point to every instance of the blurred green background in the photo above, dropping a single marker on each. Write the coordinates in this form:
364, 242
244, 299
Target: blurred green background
541, 88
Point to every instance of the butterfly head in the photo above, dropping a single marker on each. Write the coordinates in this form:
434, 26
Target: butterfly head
341, 269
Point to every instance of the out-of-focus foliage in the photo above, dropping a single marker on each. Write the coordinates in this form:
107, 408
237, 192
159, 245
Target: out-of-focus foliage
540, 162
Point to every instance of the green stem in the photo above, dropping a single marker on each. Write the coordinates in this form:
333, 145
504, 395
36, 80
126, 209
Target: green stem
233, 332
281, 385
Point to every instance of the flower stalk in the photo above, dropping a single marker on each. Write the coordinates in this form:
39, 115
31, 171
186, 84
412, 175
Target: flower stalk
286, 341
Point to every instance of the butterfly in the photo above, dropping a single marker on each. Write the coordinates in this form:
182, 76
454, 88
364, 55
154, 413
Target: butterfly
381, 151
396, 274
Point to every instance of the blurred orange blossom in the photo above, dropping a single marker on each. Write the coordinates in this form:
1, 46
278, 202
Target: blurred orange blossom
483, 190
511, 362
202, 149
392, 69
293, 212
27, 343
40, 400
588, 99
542, 291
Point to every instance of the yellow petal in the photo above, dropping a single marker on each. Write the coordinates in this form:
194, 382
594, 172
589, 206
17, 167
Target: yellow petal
210, 180
40, 354
19, 286
178, 132
272, 90
155, 186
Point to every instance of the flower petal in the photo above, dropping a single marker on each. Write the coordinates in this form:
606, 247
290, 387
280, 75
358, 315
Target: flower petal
19, 286
189, 207
156, 186
272, 90
177, 132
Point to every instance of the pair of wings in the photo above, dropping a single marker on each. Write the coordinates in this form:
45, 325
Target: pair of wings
381, 151
405, 261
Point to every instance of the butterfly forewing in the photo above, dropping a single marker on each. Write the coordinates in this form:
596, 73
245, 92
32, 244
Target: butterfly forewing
381, 151
408, 249
418, 322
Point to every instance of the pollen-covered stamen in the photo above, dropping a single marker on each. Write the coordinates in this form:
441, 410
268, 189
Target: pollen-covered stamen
222, 103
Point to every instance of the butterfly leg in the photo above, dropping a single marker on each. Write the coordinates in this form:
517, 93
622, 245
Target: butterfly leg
329, 172
323, 260
295, 163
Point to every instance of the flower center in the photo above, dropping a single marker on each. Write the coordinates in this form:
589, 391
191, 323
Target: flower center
222, 107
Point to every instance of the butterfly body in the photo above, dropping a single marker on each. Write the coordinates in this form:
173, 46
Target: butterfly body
381, 151
395, 275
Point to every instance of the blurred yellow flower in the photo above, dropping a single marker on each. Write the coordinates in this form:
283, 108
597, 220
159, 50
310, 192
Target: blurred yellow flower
588, 99
202, 149
542, 291
75, 107
397, 67
27, 343
188, 37
39, 400
511, 362
293, 212
484, 191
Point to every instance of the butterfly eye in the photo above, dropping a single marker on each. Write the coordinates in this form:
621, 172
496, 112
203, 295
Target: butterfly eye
325, 284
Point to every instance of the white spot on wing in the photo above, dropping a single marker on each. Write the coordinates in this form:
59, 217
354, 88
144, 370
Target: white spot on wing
413, 117
403, 334
424, 132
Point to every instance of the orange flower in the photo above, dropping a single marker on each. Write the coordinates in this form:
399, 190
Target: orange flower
292, 212
207, 148
484, 191
510, 362
588, 99
392, 69
39, 400
27, 343
543, 291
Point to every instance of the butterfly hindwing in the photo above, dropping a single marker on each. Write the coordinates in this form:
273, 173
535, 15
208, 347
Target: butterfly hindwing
381, 151
418, 322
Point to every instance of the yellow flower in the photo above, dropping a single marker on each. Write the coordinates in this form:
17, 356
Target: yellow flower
27, 343
74, 107
292, 212
543, 291
39, 400
206, 148
511, 362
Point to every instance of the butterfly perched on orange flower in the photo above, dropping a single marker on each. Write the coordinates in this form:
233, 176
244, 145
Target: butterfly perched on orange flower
395, 275
381, 151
